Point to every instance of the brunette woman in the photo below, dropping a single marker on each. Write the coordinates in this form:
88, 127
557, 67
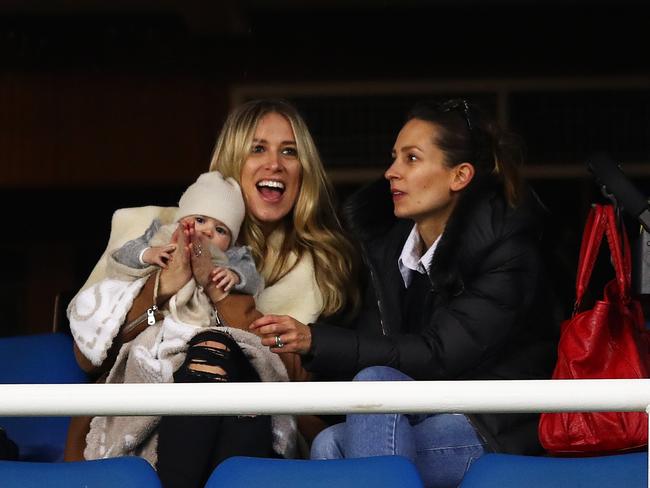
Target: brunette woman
456, 290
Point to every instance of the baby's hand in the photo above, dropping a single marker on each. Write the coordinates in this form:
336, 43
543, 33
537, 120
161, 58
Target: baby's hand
159, 255
224, 278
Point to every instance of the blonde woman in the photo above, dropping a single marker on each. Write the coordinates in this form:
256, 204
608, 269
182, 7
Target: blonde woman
307, 263
291, 224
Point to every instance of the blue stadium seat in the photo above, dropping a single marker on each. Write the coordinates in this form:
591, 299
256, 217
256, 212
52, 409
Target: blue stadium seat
371, 472
124, 472
41, 358
509, 471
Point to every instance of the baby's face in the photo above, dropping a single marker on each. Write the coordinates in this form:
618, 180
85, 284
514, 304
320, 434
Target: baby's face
216, 232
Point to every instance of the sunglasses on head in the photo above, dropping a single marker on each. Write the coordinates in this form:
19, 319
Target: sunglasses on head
461, 105
467, 112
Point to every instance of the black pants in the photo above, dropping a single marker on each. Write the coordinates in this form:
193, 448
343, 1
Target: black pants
190, 447
8, 448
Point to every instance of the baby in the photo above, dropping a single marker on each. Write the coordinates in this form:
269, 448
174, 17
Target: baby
216, 207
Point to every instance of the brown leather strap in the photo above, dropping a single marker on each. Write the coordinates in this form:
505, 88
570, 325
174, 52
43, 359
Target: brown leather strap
237, 310
142, 302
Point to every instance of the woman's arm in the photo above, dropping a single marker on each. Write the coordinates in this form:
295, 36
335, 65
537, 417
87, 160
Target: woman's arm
461, 334
234, 310
168, 282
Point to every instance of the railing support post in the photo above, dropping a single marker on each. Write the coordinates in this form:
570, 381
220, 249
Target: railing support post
647, 411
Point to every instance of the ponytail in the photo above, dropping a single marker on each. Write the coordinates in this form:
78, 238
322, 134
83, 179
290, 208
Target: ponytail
507, 156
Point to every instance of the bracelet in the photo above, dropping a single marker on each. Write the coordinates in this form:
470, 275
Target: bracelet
217, 318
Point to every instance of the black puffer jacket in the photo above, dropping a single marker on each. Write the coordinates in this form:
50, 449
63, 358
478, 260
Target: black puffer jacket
490, 316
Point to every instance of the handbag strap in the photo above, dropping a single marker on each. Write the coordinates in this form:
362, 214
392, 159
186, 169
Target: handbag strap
620, 249
591, 239
602, 221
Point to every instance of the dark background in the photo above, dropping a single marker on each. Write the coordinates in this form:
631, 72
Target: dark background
107, 104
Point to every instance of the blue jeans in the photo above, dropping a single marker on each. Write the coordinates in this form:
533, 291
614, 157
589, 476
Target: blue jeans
442, 446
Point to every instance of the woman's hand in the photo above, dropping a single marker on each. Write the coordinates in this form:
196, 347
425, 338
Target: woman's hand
178, 271
283, 333
202, 267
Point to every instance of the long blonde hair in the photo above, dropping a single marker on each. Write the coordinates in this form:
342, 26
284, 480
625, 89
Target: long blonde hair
312, 226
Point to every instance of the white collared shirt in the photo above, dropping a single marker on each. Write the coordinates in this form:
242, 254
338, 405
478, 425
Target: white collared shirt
412, 259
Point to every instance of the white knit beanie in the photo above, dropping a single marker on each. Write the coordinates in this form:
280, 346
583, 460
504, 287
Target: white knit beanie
214, 196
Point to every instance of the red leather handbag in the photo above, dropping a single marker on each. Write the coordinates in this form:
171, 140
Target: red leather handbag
607, 341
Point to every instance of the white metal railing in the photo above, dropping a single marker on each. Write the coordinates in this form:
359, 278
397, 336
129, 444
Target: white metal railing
327, 398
